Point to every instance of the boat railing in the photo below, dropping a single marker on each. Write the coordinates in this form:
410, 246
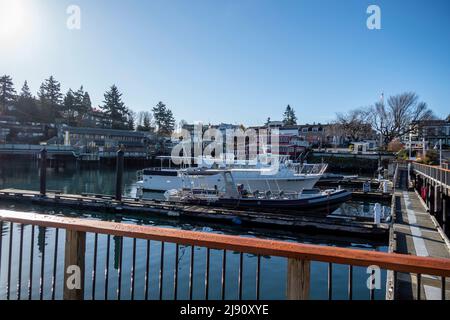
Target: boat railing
313, 168
54, 257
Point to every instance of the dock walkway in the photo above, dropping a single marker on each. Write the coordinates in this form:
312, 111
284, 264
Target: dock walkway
416, 232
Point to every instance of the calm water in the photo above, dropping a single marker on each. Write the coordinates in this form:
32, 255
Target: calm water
24, 175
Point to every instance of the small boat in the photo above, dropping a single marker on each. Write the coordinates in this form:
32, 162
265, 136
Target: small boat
234, 196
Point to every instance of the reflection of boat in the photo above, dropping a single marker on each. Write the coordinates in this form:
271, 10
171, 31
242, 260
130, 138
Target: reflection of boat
289, 177
233, 195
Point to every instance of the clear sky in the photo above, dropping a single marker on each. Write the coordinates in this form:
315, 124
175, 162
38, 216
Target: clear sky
236, 61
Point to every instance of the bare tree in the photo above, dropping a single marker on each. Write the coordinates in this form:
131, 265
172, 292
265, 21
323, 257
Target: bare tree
396, 119
353, 125
145, 121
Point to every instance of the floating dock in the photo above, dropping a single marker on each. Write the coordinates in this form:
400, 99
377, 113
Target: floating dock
345, 225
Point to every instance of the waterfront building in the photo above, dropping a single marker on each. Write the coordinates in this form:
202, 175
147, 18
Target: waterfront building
432, 131
98, 140
13, 131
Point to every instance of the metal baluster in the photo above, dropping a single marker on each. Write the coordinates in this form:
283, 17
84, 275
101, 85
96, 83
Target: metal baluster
224, 265
258, 277
133, 268
19, 277
41, 281
419, 285
161, 272
30, 279
55, 259
1, 242
147, 269
107, 266
350, 282
208, 251
94, 267
241, 262
330, 281
119, 270
175, 274
8, 283
191, 273
443, 288
372, 288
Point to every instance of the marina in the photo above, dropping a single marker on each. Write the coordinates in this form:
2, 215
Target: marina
335, 223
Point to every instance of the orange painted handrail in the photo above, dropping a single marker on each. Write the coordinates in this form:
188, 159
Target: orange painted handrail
390, 261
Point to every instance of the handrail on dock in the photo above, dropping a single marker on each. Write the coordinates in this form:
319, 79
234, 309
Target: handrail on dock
440, 175
299, 255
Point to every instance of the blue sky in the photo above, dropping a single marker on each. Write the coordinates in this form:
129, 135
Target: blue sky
236, 61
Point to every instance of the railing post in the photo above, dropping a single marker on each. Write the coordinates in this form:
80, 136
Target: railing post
298, 279
43, 177
119, 174
75, 248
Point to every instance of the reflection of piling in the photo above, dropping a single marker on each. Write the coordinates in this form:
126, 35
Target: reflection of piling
119, 174
117, 252
41, 239
43, 177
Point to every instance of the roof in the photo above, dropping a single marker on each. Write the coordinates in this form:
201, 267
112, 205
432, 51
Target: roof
110, 132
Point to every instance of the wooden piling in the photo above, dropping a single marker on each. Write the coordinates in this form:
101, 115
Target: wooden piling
74, 266
43, 172
298, 279
119, 174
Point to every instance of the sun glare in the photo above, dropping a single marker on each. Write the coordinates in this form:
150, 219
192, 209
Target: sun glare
13, 19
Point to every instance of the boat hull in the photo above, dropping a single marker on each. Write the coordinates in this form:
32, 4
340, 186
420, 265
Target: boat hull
317, 203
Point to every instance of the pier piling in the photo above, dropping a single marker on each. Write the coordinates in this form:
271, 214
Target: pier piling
119, 174
43, 171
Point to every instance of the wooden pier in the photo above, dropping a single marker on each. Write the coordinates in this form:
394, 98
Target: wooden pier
416, 232
354, 226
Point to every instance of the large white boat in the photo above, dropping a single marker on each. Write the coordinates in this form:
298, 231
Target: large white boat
289, 177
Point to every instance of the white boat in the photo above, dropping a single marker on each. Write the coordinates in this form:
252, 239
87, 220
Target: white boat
290, 177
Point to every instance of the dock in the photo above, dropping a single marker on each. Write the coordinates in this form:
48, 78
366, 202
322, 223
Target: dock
354, 226
416, 232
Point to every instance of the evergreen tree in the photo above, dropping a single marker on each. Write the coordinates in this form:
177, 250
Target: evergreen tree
82, 104
7, 93
131, 120
163, 119
289, 117
25, 92
169, 122
26, 105
70, 107
87, 104
115, 108
50, 98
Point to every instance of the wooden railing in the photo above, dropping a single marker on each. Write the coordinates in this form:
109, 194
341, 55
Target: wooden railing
299, 257
436, 173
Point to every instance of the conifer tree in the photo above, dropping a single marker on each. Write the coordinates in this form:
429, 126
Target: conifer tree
114, 107
7, 93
